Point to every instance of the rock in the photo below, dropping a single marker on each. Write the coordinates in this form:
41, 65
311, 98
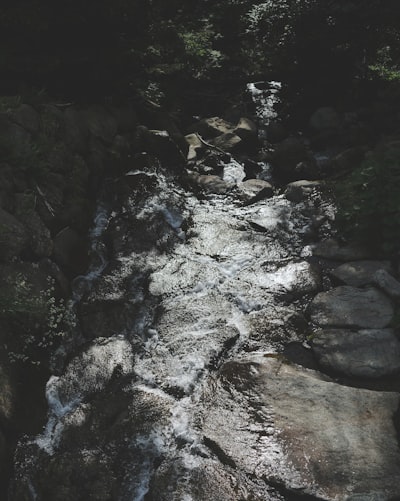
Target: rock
347, 306
53, 123
15, 140
194, 145
227, 142
209, 184
212, 127
367, 353
13, 236
295, 429
27, 117
307, 169
359, 273
251, 167
275, 132
40, 241
294, 279
277, 327
253, 190
101, 123
161, 144
70, 252
121, 146
138, 180
297, 191
173, 481
126, 118
246, 129
233, 172
86, 373
325, 118
61, 282
76, 130
7, 187
384, 281
287, 155
331, 249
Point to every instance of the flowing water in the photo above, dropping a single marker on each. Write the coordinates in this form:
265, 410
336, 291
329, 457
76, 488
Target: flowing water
179, 285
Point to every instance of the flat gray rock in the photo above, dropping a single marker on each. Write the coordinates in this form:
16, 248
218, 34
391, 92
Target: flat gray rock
387, 283
359, 273
330, 249
299, 190
282, 423
369, 353
255, 189
347, 306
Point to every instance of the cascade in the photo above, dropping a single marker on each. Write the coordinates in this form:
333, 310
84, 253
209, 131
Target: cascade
172, 391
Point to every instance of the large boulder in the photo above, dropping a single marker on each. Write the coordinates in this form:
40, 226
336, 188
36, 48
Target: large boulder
289, 152
14, 236
295, 429
253, 190
53, 122
289, 158
40, 241
347, 306
227, 142
194, 144
297, 191
70, 252
274, 132
208, 183
76, 130
15, 144
359, 273
160, 144
331, 249
101, 123
246, 129
367, 353
126, 118
27, 117
384, 281
212, 127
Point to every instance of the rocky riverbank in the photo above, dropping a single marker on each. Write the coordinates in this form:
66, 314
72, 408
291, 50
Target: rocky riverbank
224, 345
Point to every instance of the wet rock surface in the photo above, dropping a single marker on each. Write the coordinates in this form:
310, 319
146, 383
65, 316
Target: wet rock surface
331, 249
306, 433
176, 384
359, 273
347, 306
370, 353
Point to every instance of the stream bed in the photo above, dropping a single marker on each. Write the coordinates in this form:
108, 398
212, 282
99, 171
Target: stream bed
178, 387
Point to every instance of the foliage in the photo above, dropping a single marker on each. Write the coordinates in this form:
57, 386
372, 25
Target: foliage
369, 202
385, 65
39, 321
99, 46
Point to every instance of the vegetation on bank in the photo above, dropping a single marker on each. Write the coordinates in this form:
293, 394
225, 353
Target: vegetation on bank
369, 200
97, 48
37, 320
